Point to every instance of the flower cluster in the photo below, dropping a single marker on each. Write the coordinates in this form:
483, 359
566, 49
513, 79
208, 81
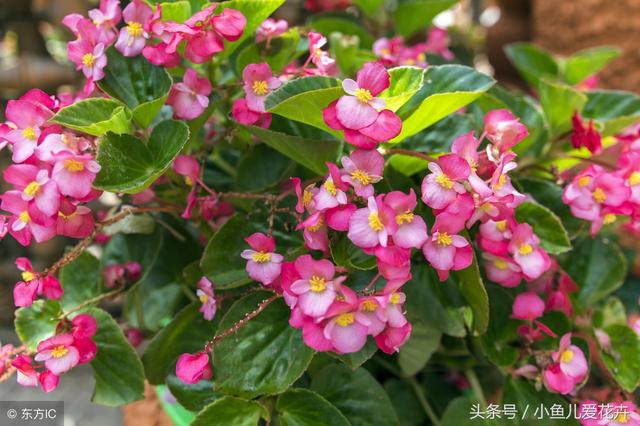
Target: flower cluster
58, 354
394, 52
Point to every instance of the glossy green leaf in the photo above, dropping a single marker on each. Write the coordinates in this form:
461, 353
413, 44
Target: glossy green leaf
546, 225
281, 52
302, 407
356, 359
404, 400
132, 224
335, 22
344, 48
304, 144
229, 411
136, 82
559, 102
95, 117
587, 62
532, 62
404, 83
192, 397
116, 367
597, 265
345, 253
303, 99
623, 361
502, 327
612, 312
446, 89
613, 110
472, 288
370, 7
422, 343
177, 11
187, 332
37, 322
261, 168
81, 280
130, 166
356, 394
265, 356
414, 15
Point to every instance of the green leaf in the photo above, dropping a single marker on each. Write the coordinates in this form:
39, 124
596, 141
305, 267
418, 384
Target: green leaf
192, 397
178, 11
345, 253
261, 168
446, 89
532, 62
610, 313
132, 224
229, 411
522, 393
414, 15
270, 356
130, 166
587, 62
116, 367
415, 353
370, 7
356, 359
613, 110
559, 102
335, 22
597, 265
256, 11
37, 322
281, 52
187, 332
302, 407
623, 362
404, 400
303, 99
502, 328
546, 225
472, 288
304, 144
404, 83
81, 280
95, 117
356, 394
344, 48
136, 82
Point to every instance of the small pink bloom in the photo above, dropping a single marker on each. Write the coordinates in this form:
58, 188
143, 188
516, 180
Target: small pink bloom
332, 193
48, 381
207, 298
524, 247
75, 174
569, 369
87, 349
188, 167
263, 263
445, 250
360, 109
133, 37
528, 306
258, 83
586, 136
26, 221
442, 186
28, 117
394, 263
230, 24
502, 270
362, 169
88, 58
133, 271
315, 232
191, 368
411, 229
243, 115
315, 288
74, 221
134, 336
83, 326
392, 338
189, 98
35, 186
504, 130
113, 275
438, 43
26, 374
347, 331
58, 353
371, 226
271, 28
337, 218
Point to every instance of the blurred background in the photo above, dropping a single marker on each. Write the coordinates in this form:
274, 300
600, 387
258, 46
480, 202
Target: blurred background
33, 54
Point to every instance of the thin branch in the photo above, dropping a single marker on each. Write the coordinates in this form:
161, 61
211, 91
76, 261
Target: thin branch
411, 153
93, 300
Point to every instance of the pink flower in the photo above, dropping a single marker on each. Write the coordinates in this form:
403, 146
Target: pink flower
243, 115
332, 193
446, 250
271, 28
28, 116
26, 374
504, 130
411, 230
361, 170
392, 338
325, 64
258, 83
48, 381
191, 368
442, 186
188, 167
35, 186
394, 263
206, 296
108, 14
75, 174
74, 221
315, 232
587, 136
438, 43
133, 37
371, 307
347, 331
88, 58
83, 326
210, 31
315, 288
528, 306
58, 353
25, 221
113, 275
623, 413
134, 336
502, 270
372, 225
524, 247
569, 369
263, 263
189, 98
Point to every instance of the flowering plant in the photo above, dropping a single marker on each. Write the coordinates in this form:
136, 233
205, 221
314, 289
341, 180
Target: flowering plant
309, 224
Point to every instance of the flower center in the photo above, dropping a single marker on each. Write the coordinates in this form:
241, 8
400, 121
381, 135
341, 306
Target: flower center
29, 133
204, 298
361, 176
317, 284
134, 29
634, 179
501, 181
444, 181
28, 276
24, 217
88, 59
345, 319
331, 188
444, 239
363, 95
368, 306
74, 166
525, 249
261, 257
307, 197
59, 351
314, 228
394, 299
406, 217
500, 264
374, 222
566, 356
189, 181
609, 218
599, 195
260, 87
32, 189
501, 225
584, 181
622, 418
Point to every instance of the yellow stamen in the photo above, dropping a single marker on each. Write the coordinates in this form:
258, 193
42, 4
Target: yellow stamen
59, 351
134, 29
599, 195
394, 299
566, 356
24, 217
444, 181
261, 257
330, 187
525, 249
406, 217
444, 239
500, 264
204, 298
634, 179
368, 306
29, 133
314, 228
621, 418
260, 87
74, 166
361, 176
501, 225
28, 276
501, 181
88, 59
307, 197
345, 319
363, 95
374, 222
189, 181
584, 181
32, 189
317, 284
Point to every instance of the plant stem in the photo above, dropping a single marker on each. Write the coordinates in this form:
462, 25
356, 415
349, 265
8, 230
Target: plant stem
592, 160
475, 385
93, 300
410, 154
417, 389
